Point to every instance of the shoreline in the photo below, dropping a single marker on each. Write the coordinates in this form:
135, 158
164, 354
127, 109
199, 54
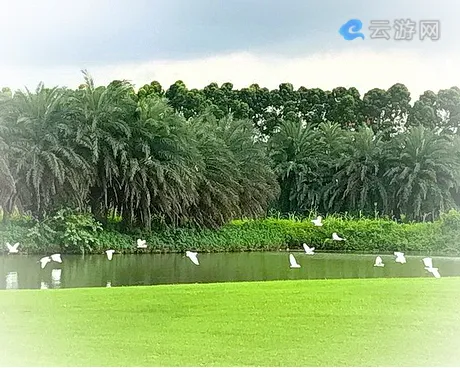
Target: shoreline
363, 236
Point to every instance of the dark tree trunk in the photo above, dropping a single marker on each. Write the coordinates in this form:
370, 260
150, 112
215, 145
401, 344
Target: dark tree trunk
98, 208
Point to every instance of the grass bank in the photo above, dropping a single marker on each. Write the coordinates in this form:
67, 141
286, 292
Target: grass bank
382, 322
80, 233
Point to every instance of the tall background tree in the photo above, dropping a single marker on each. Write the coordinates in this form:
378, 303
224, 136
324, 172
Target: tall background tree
201, 157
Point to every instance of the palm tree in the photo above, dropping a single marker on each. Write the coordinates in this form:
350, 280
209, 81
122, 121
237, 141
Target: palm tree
219, 176
424, 173
44, 162
159, 179
100, 118
7, 181
358, 182
295, 150
257, 181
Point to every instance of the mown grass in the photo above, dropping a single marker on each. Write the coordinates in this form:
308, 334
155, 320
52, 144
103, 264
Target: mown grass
381, 322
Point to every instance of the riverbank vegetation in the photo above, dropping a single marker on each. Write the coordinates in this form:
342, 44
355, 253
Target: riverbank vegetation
281, 323
70, 233
190, 162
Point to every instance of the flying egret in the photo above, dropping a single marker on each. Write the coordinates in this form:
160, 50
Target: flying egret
193, 257
141, 244
109, 253
44, 261
428, 262
308, 250
400, 257
12, 248
378, 262
56, 258
336, 237
429, 267
317, 221
293, 262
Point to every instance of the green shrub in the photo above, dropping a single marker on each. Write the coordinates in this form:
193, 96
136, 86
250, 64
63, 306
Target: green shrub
66, 232
69, 232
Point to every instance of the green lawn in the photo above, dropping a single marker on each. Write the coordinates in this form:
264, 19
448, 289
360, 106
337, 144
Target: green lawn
371, 322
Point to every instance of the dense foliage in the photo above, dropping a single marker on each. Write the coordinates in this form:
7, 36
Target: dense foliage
106, 150
185, 158
69, 233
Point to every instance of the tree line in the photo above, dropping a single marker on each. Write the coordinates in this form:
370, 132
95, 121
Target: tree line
381, 110
203, 157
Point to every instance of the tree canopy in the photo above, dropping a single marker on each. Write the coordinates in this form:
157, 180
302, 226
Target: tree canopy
190, 157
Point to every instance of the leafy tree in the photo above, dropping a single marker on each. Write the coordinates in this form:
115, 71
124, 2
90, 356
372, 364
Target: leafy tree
344, 107
187, 102
202, 157
313, 105
154, 88
425, 112
448, 104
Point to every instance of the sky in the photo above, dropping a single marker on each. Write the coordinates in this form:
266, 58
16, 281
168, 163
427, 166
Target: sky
239, 41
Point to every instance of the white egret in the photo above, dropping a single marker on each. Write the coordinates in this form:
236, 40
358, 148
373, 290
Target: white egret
293, 262
429, 267
378, 262
141, 244
400, 257
12, 248
308, 250
317, 221
44, 261
193, 257
428, 262
56, 258
336, 237
109, 253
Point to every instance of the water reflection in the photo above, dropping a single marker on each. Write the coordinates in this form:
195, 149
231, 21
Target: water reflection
11, 280
56, 277
150, 269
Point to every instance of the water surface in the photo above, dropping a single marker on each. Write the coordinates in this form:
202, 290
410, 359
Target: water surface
23, 272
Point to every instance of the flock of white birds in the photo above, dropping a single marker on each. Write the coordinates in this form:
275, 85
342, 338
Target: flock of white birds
193, 256
400, 258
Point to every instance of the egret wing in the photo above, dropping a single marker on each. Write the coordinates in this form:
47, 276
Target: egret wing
428, 262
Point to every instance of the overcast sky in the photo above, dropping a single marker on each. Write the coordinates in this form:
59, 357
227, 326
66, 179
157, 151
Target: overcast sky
240, 41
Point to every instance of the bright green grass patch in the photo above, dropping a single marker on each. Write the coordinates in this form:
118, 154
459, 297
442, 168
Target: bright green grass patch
389, 322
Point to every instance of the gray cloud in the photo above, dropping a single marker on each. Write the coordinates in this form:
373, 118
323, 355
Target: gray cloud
102, 32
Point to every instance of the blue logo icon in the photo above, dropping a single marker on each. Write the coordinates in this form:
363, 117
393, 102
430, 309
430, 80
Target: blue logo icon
349, 30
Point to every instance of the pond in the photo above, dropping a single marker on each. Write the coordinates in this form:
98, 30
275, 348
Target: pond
23, 272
